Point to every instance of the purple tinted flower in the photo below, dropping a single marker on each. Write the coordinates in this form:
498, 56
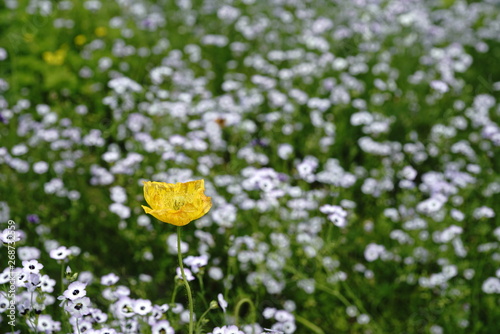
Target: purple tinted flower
33, 218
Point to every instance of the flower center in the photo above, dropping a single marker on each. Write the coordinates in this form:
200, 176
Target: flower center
178, 202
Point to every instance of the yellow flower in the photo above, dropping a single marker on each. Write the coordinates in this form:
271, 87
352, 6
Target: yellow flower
80, 40
55, 58
29, 37
176, 204
101, 31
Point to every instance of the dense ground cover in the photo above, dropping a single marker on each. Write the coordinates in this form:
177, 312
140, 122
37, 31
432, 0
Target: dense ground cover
351, 150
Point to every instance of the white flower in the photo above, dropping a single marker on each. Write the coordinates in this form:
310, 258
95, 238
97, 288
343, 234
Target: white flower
178, 308
215, 273
172, 244
336, 214
5, 276
196, 262
124, 308
363, 319
32, 266
222, 302
162, 327
142, 306
226, 330
289, 327
75, 290
98, 315
45, 323
78, 307
33, 282
269, 312
10, 237
373, 251
491, 285
47, 284
28, 253
109, 279
283, 316
60, 253
189, 275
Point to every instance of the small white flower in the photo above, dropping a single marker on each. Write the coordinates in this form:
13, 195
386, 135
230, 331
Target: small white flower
109, 279
178, 308
222, 302
162, 327
196, 262
28, 253
189, 275
124, 308
75, 290
60, 253
78, 307
269, 312
10, 237
47, 284
33, 282
226, 330
99, 316
142, 306
32, 266
45, 323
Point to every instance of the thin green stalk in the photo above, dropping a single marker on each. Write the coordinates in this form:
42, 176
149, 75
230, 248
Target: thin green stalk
188, 289
62, 277
200, 322
77, 327
65, 316
36, 323
202, 286
238, 307
175, 293
309, 324
32, 312
334, 293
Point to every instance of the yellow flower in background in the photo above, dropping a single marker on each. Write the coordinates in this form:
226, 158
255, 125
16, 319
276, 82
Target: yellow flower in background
101, 31
176, 204
29, 37
80, 40
56, 57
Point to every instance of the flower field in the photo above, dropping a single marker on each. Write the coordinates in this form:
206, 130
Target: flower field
345, 158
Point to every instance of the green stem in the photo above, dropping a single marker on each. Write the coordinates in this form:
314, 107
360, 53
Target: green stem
77, 327
65, 316
238, 307
188, 289
200, 322
62, 278
175, 293
334, 293
36, 324
32, 312
202, 286
309, 324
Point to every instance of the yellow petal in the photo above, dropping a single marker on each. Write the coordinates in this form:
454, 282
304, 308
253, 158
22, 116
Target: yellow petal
157, 193
176, 204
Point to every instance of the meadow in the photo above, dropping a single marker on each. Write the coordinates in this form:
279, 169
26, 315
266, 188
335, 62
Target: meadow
351, 150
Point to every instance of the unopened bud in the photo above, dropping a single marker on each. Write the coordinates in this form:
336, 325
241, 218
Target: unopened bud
214, 305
